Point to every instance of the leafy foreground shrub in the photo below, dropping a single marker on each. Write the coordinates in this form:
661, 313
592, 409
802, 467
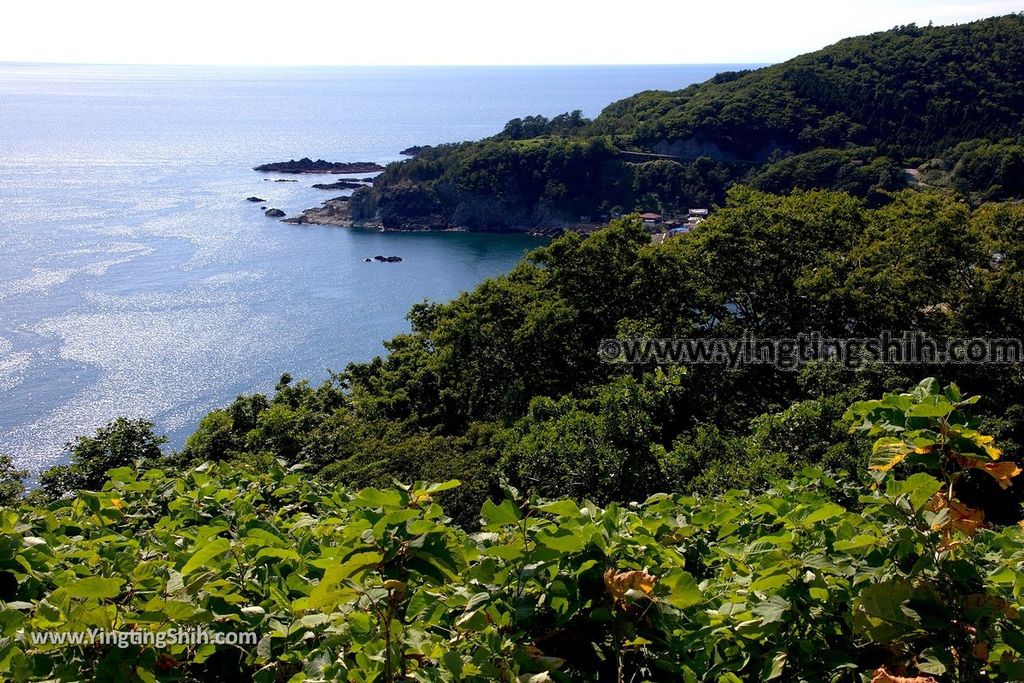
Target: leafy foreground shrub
818, 579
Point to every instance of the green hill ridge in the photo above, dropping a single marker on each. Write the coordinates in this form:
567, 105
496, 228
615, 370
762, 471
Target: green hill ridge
850, 117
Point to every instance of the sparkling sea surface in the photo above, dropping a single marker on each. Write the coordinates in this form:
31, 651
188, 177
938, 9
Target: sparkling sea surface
134, 278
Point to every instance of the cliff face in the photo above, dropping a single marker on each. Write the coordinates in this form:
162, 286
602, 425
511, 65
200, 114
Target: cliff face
405, 208
399, 208
364, 204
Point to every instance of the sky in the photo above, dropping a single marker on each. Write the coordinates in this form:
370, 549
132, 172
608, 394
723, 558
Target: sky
456, 32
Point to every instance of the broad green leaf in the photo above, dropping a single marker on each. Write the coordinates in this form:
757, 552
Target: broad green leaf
500, 515
202, 557
96, 587
939, 409
824, 512
562, 540
879, 614
858, 541
683, 589
438, 488
772, 609
376, 498
919, 488
561, 508
277, 554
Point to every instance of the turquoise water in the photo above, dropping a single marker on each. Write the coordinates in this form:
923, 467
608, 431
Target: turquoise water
134, 278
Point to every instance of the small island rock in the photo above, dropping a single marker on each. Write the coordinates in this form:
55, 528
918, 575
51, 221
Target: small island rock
339, 185
307, 165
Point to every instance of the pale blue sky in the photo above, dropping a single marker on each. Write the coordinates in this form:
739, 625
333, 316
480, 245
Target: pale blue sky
292, 32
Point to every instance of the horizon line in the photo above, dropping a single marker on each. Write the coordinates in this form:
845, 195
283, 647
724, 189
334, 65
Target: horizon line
6, 62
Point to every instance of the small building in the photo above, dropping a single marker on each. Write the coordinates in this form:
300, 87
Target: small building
651, 217
698, 213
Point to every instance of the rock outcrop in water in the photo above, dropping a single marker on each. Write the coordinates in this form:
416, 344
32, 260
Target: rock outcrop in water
340, 185
413, 211
332, 212
307, 165
254, 199
275, 213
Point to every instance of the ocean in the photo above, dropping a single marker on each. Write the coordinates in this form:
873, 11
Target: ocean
136, 280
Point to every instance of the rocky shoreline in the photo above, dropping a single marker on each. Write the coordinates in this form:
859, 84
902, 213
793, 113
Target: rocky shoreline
337, 212
408, 212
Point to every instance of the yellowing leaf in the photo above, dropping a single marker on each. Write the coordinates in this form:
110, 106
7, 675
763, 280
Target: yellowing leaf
888, 465
889, 452
985, 442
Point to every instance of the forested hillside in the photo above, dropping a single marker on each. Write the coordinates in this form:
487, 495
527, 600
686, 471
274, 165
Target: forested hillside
503, 390
852, 116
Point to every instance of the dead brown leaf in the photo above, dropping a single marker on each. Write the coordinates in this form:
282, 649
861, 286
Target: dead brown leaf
881, 675
1002, 472
619, 583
